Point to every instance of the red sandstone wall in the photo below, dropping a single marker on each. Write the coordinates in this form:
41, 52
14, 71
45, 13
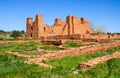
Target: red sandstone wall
81, 26
101, 36
29, 27
73, 25
84, 37
57, 28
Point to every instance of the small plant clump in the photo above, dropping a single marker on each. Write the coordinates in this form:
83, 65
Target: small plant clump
50, 47
73, 43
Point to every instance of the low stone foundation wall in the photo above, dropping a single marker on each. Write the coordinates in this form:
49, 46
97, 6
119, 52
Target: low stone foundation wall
76, 36
92, 37
52, 42
73, 52
93, 62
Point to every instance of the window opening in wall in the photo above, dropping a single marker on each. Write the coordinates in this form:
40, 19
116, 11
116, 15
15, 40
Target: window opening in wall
44, 28
108, 36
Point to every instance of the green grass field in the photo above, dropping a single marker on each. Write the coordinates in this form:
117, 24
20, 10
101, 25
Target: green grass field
14, 67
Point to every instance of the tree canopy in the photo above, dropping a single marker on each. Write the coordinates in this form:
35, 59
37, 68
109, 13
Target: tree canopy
17, 33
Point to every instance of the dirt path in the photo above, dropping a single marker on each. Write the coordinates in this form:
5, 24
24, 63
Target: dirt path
93, 62
71, 52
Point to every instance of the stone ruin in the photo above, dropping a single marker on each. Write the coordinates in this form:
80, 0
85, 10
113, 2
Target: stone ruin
73, 25
74, 28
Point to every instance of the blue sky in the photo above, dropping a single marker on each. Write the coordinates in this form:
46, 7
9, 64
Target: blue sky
13, 13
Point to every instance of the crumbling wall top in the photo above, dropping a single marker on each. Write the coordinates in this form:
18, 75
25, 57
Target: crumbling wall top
58, 21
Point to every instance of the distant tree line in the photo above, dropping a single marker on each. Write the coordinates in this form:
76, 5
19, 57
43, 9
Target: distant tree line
12, 34
113, 33
101, 29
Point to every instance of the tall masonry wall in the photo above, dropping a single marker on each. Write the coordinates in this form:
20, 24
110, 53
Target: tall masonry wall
73, 25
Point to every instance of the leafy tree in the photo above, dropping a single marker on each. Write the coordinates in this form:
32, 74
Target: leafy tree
22, 31
16, 34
